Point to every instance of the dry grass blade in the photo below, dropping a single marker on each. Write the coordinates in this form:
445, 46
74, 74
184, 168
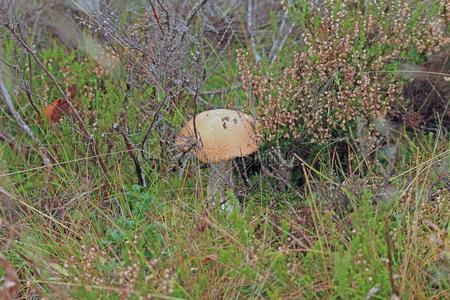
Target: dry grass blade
394, 293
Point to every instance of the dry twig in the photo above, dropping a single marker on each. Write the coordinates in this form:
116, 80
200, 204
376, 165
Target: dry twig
132, 150
251, 29
9, 140
283, 32
9, 103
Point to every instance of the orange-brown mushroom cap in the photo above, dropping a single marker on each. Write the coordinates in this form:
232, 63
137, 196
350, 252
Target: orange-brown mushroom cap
222, 134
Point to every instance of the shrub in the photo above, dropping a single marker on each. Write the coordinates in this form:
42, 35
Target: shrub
343, 75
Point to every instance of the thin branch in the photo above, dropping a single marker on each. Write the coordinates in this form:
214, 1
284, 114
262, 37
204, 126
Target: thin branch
152, 124
8, 64
197, 96
221, 91
132, 152
251, 29
9, 103
192, 14
279, 43
28, 87
194, 123
195, 10
156, 16
166, 12
9, 140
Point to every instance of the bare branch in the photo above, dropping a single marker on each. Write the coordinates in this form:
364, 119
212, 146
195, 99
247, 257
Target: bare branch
166, 12
132, 152
283, 34
156, 16
8, 101
9, 140
251, 29
194, 11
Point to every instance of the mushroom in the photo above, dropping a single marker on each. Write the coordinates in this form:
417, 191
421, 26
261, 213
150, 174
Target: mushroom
217, 136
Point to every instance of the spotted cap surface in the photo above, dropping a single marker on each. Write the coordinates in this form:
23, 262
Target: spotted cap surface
221, 134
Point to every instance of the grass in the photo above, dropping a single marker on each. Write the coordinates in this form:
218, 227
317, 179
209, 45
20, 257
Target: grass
299, 248
323, 237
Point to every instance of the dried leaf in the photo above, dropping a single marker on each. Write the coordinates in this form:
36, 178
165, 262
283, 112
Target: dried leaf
55, 110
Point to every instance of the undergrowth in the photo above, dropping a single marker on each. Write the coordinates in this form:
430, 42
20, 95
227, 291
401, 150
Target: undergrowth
319, 214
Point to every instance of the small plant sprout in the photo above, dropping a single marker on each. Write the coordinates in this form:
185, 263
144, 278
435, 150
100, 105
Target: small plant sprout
217, 136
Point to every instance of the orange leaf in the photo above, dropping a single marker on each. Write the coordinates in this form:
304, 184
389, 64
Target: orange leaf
55, 110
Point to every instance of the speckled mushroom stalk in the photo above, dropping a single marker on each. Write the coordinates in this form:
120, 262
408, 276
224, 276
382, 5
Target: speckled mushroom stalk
219, 136
220, 180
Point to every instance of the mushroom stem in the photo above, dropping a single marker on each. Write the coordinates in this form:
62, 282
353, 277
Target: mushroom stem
219, 181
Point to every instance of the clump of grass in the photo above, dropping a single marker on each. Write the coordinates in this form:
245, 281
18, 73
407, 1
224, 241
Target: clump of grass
150, 245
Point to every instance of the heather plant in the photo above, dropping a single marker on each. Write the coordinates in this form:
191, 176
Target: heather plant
343, 78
